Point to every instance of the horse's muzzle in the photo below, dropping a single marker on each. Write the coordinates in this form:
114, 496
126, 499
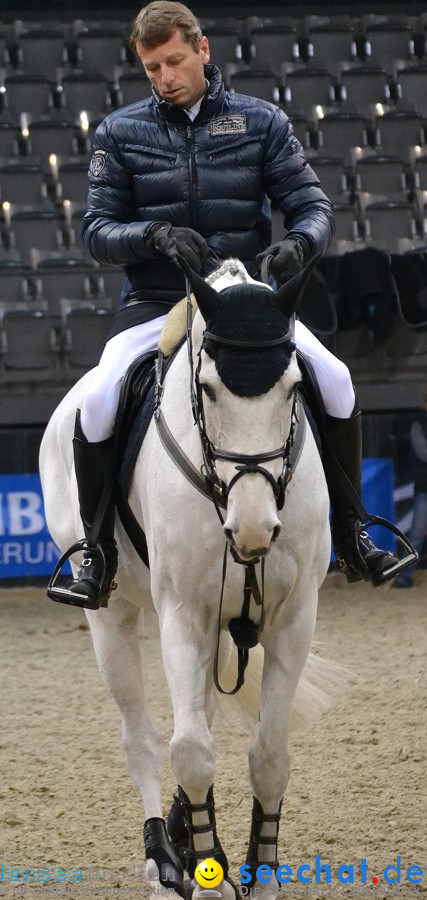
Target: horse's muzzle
251, 542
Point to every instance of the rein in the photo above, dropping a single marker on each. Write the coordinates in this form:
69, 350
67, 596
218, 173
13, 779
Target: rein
243, 630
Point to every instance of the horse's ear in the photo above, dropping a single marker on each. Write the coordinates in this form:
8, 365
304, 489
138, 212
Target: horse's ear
289, 295
207, 298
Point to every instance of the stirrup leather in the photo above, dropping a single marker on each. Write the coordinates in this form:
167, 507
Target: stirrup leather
72, 598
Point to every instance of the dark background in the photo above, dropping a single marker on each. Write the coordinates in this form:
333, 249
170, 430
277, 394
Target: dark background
385, 432
239, 8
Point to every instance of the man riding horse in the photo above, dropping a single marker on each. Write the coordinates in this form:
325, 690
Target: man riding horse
185, 175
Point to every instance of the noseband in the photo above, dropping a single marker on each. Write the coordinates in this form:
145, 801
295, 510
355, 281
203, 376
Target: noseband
245, 463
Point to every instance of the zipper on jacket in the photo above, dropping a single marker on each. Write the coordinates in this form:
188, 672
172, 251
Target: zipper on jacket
191, 170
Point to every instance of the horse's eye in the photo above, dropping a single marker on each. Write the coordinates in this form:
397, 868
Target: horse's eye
210, 393
294, 389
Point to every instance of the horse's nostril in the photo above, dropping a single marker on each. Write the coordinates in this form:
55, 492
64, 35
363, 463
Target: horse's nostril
229, 535
276, 531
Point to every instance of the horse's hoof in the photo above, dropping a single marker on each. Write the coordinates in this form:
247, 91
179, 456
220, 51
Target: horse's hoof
156, 888
226, 890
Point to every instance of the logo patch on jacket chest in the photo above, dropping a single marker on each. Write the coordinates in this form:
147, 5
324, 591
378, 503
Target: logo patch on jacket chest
228, 125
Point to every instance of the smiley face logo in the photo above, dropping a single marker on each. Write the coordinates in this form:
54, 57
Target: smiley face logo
209, 873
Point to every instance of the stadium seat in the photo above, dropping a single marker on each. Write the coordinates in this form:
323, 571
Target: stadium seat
22, 182
3, 45
301, 128
47, 136
87, 329
100, 50
30, 344
306, 88
411, 85
274, 45
223, 44
72, 179
397, 131
337, 132
326, 45
73, 212
130, 87
362, 87
8, 138
58, 276
41, 51
41, 228
387, 222
346, 228
14, 284
381, 174
384, 41
256, 83
420, 172
332, 176
110, 281
27, 93
79, 91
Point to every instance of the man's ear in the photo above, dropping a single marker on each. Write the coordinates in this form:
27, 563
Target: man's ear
204, 49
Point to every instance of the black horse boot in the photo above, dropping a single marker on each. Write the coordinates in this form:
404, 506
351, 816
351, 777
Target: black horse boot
93, 463
357, 555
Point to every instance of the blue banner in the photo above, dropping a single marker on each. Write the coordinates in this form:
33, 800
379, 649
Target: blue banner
26, 547
378, 498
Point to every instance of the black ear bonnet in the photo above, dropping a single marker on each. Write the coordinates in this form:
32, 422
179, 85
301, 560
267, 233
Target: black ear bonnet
248, 313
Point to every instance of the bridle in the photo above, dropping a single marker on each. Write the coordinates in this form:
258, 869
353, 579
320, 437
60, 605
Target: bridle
245, 463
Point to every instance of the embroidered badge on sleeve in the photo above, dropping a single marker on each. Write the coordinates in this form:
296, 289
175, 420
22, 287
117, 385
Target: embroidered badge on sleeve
98, 162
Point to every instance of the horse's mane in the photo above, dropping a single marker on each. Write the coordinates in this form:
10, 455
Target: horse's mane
229, 267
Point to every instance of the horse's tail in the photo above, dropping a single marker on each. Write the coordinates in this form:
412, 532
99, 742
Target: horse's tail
321, 681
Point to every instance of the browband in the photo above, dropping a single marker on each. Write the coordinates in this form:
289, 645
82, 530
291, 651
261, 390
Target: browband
251, 344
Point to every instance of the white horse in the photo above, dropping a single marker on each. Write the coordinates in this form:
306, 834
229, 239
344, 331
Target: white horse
245, 393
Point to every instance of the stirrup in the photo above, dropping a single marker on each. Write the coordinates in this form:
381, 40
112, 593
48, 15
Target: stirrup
393, 570
71, 598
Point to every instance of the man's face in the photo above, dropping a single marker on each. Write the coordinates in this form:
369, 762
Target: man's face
176, 70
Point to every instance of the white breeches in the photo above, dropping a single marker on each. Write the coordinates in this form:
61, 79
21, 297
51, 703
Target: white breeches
100, 404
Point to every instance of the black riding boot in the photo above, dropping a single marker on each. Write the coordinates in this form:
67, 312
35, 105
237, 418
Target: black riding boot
93, 462
358, 557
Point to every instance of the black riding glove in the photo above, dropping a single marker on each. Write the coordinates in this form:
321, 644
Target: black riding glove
289, 257
178, 242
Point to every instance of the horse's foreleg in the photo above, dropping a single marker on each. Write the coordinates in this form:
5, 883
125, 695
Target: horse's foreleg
116, 644
286, 647
186, 658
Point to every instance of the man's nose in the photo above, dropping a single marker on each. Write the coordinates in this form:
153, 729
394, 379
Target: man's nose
166, 76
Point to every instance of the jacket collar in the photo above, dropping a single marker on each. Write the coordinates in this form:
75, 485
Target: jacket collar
211, 101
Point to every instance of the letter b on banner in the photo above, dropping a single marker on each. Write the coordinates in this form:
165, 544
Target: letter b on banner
25, 513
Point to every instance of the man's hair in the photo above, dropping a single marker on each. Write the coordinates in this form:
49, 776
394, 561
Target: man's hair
158, 21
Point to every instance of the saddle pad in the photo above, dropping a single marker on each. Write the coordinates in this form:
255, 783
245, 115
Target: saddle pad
136, 409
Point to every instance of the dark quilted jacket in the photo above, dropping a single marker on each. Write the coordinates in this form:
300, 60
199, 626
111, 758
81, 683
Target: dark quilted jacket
152, 164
